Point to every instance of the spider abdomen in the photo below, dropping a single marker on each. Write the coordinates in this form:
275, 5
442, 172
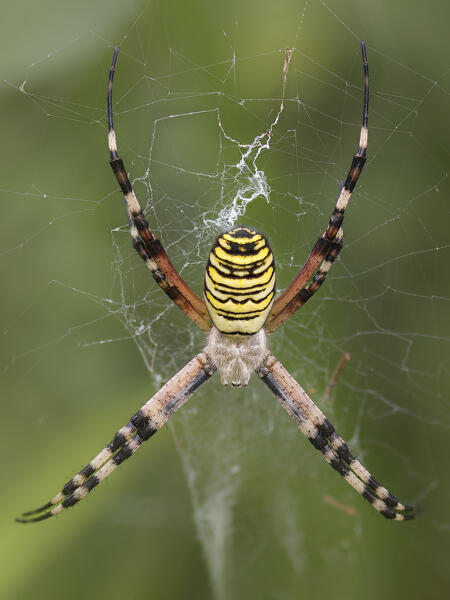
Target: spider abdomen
240, 281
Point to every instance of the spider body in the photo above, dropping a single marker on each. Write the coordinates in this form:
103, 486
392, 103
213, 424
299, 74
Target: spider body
239, 290
238, 311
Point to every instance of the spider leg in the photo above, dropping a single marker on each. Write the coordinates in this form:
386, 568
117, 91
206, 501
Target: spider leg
145, 423
294, 296
305, 293
145, 242
320, 432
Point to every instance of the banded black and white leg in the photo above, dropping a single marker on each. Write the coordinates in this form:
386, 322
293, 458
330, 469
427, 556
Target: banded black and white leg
292, 298
321, 433
144, 241
314, 285
145, 423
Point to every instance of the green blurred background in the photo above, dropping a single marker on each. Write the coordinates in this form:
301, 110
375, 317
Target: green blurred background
230, 501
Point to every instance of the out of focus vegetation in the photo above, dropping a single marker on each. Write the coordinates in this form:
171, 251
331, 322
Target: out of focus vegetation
64, 394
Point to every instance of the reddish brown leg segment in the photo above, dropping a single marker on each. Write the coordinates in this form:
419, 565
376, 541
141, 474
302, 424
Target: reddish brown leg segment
144, 241
325, 247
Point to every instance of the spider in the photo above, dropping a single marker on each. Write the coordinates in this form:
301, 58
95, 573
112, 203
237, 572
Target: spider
238, 311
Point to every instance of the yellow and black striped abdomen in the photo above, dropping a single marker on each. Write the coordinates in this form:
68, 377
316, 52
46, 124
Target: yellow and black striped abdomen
240, 281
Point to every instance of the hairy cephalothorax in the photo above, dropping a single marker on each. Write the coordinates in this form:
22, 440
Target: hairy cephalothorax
239, 310
236, 357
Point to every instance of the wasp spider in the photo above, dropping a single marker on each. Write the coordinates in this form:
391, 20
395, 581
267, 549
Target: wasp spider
238, 311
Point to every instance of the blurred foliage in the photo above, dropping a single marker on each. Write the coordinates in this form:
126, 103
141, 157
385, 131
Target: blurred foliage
63, 395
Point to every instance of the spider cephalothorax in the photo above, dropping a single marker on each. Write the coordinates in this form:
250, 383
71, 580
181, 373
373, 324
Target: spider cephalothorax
238, 312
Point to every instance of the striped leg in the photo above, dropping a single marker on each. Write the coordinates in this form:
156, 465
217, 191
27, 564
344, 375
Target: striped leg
305, 293
146, 422
291, 299
319, 431
144, 241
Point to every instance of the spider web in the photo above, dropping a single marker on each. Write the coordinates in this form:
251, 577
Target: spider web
212, 135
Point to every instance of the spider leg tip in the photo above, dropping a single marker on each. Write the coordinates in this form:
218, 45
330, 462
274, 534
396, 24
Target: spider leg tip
20, 520
408, 512
364, 51
38, 510
404, 516
46, 515
113, 62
